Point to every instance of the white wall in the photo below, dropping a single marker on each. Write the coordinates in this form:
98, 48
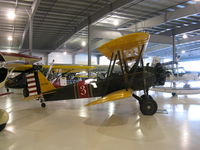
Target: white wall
104, 61
44, 57
83, 59
59, 58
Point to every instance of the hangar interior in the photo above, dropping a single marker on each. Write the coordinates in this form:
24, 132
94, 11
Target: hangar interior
69, 32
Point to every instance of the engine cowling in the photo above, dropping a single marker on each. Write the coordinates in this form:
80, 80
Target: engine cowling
160, 74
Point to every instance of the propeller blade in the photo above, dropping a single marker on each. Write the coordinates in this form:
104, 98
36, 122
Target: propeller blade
112, 97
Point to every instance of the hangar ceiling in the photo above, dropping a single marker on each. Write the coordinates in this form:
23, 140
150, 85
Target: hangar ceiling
61, 25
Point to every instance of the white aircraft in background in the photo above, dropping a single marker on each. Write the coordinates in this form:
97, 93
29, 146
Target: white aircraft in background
178, 81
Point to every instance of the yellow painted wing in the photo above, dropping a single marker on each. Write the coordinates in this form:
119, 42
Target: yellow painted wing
112, 97
69, 68
56, 68
130, 44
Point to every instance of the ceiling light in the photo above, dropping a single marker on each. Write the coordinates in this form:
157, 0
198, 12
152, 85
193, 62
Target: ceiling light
185, 36
83, 43
11, 15
65, 53
10, 38
183, 52
116, 23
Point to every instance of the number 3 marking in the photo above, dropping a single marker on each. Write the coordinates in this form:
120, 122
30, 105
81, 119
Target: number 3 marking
83, 90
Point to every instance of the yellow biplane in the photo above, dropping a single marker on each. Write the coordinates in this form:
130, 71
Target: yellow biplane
121, 51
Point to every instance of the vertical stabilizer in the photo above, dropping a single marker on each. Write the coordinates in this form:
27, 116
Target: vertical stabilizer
45, 85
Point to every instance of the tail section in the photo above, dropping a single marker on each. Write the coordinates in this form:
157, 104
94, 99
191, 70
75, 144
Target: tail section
45, 85
37, 84
31, 84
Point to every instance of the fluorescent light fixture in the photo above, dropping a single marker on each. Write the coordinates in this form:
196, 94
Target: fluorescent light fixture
171, 9
11, 15
10, 38
116, 23
65, 53
185, 36
180, 6
183, 52
192, 2
83, 43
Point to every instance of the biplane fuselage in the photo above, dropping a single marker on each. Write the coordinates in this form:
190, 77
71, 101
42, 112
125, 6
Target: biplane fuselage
103, 87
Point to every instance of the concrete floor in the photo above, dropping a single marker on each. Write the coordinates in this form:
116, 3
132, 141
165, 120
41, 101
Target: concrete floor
68, 125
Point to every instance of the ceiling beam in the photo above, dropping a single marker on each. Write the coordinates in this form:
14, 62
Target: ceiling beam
181, 30
167, 17
95, 17
99, 32
34, 7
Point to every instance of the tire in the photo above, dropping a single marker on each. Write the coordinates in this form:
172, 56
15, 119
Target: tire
147, 105
2, 126
43, 105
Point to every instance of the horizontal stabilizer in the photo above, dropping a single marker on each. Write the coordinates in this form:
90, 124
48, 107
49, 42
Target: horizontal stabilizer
32, 97
112, 97
37, 96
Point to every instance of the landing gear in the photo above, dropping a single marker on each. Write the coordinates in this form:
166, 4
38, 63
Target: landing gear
42, 101
43, 105
174, 94
147, 105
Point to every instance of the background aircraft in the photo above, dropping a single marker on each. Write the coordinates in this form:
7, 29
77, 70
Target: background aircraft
178, 82
10, 60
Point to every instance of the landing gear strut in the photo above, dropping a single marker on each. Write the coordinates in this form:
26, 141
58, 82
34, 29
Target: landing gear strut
147, 104
42, 101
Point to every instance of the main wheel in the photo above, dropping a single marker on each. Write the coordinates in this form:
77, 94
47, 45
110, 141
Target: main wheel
2, 126
43, 105
147, 105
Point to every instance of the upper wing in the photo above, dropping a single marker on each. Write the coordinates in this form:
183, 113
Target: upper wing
56, 68
130, 45
69, 68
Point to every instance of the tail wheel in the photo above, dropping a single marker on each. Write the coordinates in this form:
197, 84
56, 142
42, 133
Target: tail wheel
147, 105
174, 94
2, 126
43, 105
